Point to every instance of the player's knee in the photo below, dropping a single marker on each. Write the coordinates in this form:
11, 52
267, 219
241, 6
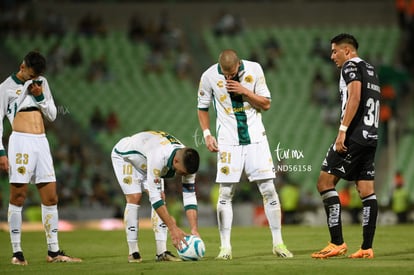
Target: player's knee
225, 193
267, 190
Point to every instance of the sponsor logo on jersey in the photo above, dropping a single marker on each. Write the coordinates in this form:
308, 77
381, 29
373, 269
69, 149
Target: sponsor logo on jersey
223, 97
374, 87
220, 84
156, 172
352, 75
351, 69
367, 135
18, 92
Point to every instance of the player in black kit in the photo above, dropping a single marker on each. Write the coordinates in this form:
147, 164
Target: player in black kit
351, 156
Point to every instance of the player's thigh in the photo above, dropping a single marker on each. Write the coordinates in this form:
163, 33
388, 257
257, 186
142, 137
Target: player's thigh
259, 162
129, 179
230, 163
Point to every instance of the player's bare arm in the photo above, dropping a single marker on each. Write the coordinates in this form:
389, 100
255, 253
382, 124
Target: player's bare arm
192, 220
177, 235
204, 119
4, 163
257, 101
354, 97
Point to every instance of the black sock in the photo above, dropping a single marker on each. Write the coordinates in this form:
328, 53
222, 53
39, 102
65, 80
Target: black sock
333, 213
369, 220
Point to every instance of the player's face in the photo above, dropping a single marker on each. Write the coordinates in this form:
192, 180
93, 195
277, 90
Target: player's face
230, 74
338, 54
26, 73
180, 169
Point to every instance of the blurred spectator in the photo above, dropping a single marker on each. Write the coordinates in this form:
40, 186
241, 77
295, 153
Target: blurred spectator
320, 93
54, 24
97, 122
56, 58
112, 122
154, 62
400, 198
183, 63
99, 70
136, 29
272, 51
91, 24
75, 57
321, 49
228, 24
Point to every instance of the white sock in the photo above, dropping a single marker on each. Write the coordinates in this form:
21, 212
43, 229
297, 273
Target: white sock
50, 221
160, 232
15, 226
225, 214
131, 226
272, 210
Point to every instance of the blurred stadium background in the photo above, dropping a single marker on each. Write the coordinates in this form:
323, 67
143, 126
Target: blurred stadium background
120, 67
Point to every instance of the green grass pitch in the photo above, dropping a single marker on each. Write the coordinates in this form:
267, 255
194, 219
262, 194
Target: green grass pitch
105, 252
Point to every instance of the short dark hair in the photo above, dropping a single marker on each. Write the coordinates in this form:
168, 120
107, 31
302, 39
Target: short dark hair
35, 61
191, 160
345, 38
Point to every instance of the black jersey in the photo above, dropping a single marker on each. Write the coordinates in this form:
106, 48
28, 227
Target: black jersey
364, 126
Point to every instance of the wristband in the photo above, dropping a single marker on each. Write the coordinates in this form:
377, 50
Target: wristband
206, 133
343, 128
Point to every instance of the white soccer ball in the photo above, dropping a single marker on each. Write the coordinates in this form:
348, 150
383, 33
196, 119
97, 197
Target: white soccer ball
194, 250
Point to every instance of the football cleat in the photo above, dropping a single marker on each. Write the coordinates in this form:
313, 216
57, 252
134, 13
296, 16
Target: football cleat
167, 256
18, 259
61, 257
282, 251
331, 250
134, 258
363, 253
225, 254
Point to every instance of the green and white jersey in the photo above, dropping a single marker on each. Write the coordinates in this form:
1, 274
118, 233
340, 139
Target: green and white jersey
152, 154
14, 97
237, 123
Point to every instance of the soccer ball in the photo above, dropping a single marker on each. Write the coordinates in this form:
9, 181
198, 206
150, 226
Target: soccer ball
194, 250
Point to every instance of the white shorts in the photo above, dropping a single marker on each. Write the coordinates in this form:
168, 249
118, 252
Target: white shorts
129, 178
30, 159
255, 159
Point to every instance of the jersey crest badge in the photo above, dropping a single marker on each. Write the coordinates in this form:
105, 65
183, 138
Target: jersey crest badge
21, 170
225, 170
127, 180
249, 79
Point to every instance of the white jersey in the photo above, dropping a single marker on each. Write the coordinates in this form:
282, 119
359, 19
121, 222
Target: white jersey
237, 123
152, 154
15, 96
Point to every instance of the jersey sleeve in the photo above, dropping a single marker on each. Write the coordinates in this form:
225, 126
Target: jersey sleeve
189, 192
351, 72
261, 86
205, 93
154, 182
3, 112
46, 103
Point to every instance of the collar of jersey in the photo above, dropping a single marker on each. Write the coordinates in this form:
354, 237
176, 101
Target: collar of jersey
18, 81
171, 171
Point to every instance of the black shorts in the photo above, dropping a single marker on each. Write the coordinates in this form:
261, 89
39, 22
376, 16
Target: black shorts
356, 164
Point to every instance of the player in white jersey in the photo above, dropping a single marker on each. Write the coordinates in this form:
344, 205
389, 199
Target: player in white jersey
25, 98
239, 93
142, 161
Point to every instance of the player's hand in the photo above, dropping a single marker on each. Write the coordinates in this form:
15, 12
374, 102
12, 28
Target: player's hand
233, 86
340, 142
35, 89
4, 164
211, 143
177, 237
